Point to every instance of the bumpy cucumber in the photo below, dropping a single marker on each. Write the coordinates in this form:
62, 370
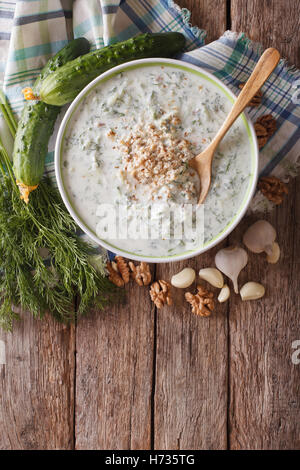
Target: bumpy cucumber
73, 49
37, 122
63, 86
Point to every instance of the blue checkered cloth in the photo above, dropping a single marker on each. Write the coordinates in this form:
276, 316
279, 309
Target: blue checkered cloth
33, 30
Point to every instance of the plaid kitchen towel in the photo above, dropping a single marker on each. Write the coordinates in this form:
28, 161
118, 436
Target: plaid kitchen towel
33, 30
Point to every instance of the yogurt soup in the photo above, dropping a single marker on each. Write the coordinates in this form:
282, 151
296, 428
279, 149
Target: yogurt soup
129, 141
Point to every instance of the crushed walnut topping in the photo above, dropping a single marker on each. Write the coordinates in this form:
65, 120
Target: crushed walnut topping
111, 134
155, 156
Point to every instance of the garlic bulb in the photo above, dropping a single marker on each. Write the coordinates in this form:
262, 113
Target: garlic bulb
231, 261
260, 237
212, 276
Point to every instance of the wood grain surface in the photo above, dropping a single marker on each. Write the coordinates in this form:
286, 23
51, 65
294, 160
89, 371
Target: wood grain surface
37, 386
134, 377
210, 15
191, 371
114, 375
264, 411
271, 22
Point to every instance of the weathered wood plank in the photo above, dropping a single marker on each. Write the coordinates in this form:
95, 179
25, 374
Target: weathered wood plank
272, 22
264, 383
36, 386
190, 409
210, 16
191, 371
114, 375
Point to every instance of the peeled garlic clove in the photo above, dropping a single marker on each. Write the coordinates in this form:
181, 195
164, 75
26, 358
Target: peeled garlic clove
260, 237
275, 255
252, 291
231, 261
184, 278
224, 294
213, 276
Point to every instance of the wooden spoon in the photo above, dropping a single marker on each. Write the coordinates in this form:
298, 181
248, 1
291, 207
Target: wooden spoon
202, 163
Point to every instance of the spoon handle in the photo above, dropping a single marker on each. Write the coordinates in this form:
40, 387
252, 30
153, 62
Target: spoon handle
262, 71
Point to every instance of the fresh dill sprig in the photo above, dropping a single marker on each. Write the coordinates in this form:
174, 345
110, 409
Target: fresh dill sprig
8, 114
43, 262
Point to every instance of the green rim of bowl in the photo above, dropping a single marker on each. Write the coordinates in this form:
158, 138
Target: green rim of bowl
225, 92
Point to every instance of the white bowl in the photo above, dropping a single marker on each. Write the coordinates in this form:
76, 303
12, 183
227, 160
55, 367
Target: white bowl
251, 183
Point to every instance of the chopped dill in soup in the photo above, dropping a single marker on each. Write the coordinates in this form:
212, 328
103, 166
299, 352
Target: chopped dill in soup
129, 142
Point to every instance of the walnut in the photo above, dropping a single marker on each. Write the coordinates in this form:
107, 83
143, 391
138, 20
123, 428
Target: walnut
256, 100
272, 188
265, 127
111, 134
262, 135
114, 276
202, 303
160, 293
141, 274
123, 268
268, 122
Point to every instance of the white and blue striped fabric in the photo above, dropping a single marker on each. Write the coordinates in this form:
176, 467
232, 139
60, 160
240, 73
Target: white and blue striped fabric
33, 30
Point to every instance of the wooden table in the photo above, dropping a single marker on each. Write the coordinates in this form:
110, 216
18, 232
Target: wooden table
136, 378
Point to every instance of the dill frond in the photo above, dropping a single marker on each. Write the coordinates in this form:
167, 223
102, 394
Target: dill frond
29, 280
26, 278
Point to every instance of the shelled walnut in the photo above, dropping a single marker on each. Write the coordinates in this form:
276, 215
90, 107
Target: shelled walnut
160, 293
256, 100
265, 127
141, 273
113, 275
123, 268
272, 188
202, 303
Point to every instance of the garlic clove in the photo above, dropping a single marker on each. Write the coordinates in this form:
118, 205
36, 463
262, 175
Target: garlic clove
230, 261
252, 291
224, 294
184, 278
274, 256
260, 237
213, 276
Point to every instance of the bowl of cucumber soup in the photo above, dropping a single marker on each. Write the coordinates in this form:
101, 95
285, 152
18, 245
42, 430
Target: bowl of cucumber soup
122, 153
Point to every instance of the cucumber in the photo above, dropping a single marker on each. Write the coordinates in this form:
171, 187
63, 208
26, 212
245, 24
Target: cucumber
37, 122
73, 49
63, 86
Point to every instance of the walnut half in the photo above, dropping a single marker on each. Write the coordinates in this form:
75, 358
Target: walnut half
272, 188
123, 268
113, 275
141, 274
265, 127
202, 303
160, 293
